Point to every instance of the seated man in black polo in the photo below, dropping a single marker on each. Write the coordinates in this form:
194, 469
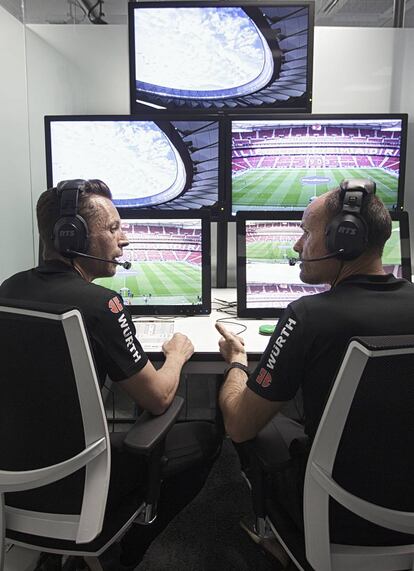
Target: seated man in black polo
71, 263
344, 232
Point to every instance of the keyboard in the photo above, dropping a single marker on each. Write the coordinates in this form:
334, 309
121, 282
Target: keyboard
152, 334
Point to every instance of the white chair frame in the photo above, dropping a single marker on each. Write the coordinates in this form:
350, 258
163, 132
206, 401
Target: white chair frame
319, 485
84, 527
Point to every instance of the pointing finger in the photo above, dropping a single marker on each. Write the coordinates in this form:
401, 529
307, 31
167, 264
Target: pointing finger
224, 332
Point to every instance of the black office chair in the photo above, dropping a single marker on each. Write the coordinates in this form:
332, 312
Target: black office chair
55, 449
358, 499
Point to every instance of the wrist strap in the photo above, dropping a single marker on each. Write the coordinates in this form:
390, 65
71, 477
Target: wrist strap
236, 365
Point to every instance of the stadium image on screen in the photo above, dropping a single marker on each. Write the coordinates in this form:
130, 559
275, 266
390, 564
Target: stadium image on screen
166, 263
166, 165
392, 257
271, 282
284, 164
212, 57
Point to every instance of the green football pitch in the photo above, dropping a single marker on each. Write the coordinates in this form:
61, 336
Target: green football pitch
281, 251
284, 188
270, 251
392, 248
152, 283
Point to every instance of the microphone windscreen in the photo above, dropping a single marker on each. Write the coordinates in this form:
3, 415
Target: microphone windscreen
292, 261
127, 265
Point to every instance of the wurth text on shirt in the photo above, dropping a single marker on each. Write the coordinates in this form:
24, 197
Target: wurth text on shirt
129, 338
280, 341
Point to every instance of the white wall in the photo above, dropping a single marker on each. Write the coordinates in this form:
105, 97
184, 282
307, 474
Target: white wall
84, 69
403, 93
16, 241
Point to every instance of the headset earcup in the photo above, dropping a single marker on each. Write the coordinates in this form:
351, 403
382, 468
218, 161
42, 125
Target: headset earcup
70, 233
349, 233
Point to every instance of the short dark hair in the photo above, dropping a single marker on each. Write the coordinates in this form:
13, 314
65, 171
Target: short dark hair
48, 209
373, 211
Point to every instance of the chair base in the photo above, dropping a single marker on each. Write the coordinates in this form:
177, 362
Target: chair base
268, 543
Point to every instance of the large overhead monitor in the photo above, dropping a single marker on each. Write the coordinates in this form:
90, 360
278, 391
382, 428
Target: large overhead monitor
170, 270
210, 55
162, 163
284, 162
267, 283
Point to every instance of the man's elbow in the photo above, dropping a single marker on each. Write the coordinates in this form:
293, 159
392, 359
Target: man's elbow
159, 404
237, 431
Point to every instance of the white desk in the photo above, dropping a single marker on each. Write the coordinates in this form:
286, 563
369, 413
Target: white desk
203, 334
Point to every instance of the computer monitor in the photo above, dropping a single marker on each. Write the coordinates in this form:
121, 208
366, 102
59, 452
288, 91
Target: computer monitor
283, 162
227, 55
162, 163
267, 283
171, 269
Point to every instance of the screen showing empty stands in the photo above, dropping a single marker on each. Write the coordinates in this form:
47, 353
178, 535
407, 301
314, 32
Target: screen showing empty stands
221, 55
285, 163
167, 273
268, 280
160, 164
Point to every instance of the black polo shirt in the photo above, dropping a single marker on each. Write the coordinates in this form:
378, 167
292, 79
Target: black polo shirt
310, 339
116, 350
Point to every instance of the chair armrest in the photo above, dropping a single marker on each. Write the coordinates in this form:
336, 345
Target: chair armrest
149, 430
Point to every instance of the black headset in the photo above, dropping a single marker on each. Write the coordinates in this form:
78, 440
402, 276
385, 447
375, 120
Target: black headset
70, 232
347, 233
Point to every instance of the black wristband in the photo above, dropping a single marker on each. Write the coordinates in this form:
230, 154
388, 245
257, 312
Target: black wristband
236, 365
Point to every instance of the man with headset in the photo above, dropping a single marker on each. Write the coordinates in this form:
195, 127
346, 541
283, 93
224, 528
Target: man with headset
82, 239
344, 232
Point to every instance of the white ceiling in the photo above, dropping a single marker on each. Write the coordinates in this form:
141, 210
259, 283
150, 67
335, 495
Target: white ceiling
357, 13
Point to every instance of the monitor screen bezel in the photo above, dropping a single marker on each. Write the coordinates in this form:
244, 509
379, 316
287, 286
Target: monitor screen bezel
136, 107
275, 312
205, 307
312, 117
216, 212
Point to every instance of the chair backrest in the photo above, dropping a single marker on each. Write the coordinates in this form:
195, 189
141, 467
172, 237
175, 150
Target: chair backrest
362, 457
53, 428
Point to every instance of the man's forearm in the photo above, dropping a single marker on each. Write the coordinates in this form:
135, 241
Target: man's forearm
169, 376
229, 399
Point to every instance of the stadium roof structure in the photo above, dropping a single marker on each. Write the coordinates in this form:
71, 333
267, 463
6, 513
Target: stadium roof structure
240, 125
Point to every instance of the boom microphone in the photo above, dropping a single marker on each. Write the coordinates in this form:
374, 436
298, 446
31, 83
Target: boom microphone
125, 265
293, 261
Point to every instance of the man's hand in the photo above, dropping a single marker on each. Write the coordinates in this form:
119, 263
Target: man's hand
178, 346
231, 346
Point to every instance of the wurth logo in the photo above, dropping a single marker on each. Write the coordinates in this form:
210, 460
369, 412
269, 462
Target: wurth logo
129, 338
115, 305
280, 341
264, 378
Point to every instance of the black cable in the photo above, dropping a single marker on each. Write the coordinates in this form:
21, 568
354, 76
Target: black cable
228, 307
227, 321
227, 311
96, 19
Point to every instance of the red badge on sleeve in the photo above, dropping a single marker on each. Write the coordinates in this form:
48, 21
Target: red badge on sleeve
264, 378
115, 305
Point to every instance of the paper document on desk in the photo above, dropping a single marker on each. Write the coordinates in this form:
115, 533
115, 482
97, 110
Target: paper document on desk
152, 334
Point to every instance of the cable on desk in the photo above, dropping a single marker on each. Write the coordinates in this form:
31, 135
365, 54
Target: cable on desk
227, 321
225, 303
228, 307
